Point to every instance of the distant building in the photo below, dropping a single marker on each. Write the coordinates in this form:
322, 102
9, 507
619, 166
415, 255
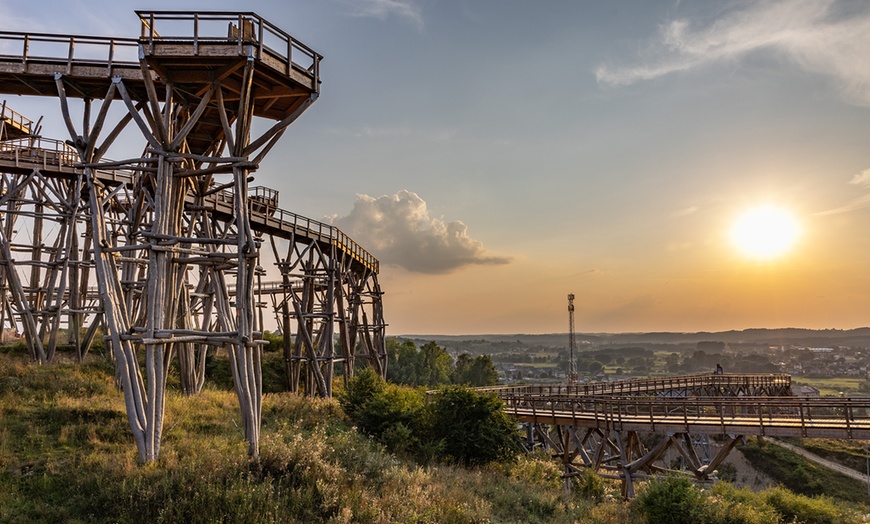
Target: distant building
808, 391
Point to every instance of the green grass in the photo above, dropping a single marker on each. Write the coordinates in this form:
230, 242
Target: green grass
541, 365
801, 475
850, 453
830, 386
66, 455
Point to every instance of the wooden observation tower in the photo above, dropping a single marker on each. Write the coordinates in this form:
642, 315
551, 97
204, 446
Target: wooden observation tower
163, 250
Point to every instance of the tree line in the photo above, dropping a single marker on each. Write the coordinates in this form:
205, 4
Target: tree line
431, 365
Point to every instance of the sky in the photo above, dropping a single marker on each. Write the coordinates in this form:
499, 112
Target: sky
496, 155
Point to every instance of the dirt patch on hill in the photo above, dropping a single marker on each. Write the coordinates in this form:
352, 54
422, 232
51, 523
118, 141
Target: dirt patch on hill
747, 475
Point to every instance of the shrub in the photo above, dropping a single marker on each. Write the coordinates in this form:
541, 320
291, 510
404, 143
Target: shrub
459, 425
799, 508
731, 505
672, 499
360, 390
590, 485
390, 413
473, 427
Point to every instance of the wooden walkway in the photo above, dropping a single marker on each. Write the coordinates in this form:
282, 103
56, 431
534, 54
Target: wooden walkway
54, 158
744, 404
763, 416
601, 426
161, 237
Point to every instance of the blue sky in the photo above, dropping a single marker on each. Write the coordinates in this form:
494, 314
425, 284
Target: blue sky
498, 155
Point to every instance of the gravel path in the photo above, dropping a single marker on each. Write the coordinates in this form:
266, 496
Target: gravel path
839, 468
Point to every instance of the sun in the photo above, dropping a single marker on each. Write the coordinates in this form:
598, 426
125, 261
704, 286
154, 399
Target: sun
765, 232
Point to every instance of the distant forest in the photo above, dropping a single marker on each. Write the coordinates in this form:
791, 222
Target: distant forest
477, 344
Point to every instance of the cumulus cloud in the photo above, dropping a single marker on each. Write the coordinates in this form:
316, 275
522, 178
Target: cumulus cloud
400, 231
808, 32
407, 10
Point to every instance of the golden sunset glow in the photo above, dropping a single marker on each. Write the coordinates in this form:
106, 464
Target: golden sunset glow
765, 232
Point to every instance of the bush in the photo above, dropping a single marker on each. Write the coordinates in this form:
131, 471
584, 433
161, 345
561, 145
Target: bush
590, 485
799, 508
672, 499
459, 425
473, 427
390, 413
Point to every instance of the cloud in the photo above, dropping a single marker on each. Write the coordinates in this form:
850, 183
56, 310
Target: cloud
399, 230
859, 179
685, 211
807, 32
408, 10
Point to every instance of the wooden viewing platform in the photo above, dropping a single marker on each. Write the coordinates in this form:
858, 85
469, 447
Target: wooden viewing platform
162, 238
190, 49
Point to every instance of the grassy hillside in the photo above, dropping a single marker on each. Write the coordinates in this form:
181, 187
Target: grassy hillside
66, 455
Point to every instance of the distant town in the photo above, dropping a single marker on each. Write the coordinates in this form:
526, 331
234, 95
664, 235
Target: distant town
821, 362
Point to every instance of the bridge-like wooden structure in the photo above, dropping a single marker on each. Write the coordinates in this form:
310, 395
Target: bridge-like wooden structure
623, 429
163, 251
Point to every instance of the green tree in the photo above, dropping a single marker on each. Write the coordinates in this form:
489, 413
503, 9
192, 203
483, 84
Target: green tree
405, 362
275, 341
475, 372
483, 372
437, 366
462, 372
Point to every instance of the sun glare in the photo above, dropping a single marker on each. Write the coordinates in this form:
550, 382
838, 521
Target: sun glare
765, 232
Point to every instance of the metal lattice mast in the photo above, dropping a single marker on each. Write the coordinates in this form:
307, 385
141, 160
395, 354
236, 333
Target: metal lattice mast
572, 344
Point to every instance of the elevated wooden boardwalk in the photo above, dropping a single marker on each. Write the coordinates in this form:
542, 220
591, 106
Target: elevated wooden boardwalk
599, 425
162, 238
847, 418
707, 384
54, 158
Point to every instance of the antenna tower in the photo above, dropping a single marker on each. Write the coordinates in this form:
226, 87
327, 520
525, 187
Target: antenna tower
572, 368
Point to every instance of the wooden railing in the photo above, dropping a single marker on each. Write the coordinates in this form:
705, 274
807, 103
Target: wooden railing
776, 416
15, 119
49, 155
43, 153
107, 52
270, 43
205, 28
653, 384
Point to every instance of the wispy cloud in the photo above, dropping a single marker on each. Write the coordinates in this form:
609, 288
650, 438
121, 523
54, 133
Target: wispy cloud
399, 230
808, 32
408, 10
685, 211
861, 179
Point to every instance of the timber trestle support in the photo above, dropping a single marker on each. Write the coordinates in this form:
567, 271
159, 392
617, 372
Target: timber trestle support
164, 252
632, 429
